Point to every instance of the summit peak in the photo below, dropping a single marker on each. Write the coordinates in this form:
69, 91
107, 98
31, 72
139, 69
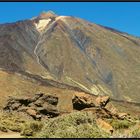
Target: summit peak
48, 14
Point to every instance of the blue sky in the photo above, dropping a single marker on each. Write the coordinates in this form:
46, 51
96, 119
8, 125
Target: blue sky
124, 16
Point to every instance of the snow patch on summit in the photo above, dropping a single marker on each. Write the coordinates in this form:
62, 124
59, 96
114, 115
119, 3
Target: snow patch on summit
42, 24
63, 18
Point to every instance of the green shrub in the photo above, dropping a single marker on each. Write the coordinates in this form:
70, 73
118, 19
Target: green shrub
121, 124
73, 125
10, 122
29, 128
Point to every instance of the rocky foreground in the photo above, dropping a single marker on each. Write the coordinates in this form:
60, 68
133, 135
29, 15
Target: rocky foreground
42, 107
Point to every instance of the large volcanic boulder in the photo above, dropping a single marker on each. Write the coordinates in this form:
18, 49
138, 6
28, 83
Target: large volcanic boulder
85, 101
81, 102
36, 107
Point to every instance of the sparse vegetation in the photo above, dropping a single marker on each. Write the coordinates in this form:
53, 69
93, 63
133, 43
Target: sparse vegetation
73, 125
29, 128
10, 122
121, 124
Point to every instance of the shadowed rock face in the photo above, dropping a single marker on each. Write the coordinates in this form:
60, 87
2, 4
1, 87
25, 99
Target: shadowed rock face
17, 41
70, 50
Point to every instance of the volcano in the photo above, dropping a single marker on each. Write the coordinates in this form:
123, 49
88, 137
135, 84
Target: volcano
59, 53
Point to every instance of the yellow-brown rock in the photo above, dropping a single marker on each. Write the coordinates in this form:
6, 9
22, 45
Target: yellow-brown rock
104, 125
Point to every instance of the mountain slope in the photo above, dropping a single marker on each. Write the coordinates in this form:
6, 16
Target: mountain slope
72, 51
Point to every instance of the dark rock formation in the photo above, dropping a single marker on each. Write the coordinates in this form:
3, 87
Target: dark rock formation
80, 103
101, 106
36, 107
45, 106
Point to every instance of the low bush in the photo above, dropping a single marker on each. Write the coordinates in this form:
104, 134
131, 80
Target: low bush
121, 124
10, 122
73, 125
29, 128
